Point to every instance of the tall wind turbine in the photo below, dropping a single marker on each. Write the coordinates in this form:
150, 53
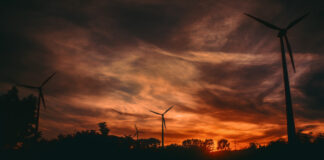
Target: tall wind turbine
41, 98
163, 122
283, 35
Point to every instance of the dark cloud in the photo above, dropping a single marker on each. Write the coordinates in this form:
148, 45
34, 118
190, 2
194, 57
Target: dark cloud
309, 127
79, 84
312, 88
274, 133
246, 92
168, 24
231, 107
20, 52
237, 76
252, 36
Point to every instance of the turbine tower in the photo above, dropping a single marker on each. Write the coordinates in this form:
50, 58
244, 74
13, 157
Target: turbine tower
163, 122
282, 34
40, 100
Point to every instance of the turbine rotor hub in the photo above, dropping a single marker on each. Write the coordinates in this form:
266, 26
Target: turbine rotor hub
282, 33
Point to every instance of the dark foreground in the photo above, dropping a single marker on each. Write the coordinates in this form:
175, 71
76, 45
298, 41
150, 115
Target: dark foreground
112, 147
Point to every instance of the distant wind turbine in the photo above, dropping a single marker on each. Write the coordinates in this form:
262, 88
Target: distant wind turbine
163, 122
137, 132
283, 34
41, 98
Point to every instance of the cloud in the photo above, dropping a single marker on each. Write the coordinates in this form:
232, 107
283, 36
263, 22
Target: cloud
116, 59
312, 87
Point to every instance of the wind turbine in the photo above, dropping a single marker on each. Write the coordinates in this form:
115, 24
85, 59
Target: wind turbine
163, 122
283, 35
41, 98
136, 132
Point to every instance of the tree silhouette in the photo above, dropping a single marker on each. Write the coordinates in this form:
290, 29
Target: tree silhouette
206, 145
254, 146
149, 143
279, 142
193, 143
209, 144
104, 130
223, 144
17, 118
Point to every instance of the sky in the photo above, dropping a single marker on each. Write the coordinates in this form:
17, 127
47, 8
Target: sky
115, 60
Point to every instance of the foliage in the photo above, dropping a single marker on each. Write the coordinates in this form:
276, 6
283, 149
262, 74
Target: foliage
148, 143
254, 146
17, 117
223, 144
103, 128
206, 145
90, 144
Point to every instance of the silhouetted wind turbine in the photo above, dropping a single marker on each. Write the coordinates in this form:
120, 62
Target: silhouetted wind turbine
137, 132
163, 122
41, 98
283, 33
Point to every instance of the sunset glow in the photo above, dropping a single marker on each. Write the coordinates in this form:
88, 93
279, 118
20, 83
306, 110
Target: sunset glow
116, 60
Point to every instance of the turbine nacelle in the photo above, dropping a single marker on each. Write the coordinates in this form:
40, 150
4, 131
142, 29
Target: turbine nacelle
282, 33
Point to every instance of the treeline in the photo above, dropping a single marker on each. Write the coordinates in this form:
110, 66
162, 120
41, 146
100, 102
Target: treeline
92, 144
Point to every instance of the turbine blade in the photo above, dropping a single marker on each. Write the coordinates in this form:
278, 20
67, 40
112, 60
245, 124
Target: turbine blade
155, 112
26, 86
43, 99
290, 53
48, 79
263, 22
168, 109
297, 20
